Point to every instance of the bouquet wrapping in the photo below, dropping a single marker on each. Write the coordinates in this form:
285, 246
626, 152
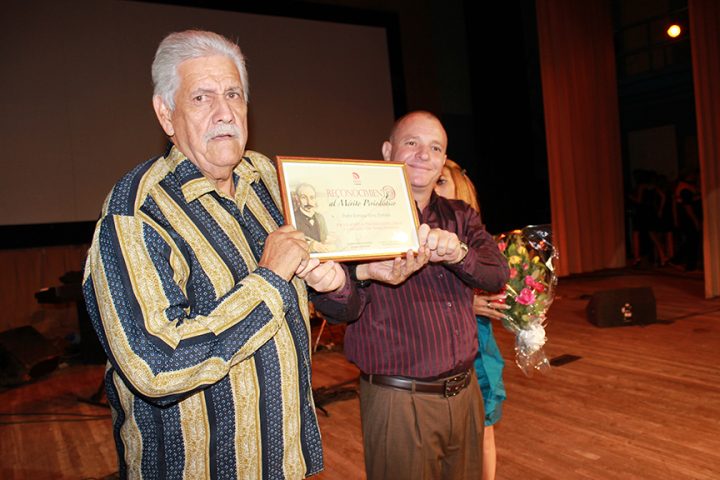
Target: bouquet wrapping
530, 291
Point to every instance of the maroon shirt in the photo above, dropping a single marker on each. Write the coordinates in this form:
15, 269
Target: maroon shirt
425, 327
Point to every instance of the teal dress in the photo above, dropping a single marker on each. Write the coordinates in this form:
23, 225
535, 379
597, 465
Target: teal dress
489, 365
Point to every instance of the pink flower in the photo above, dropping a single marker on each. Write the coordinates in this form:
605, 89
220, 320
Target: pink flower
529, 281
526, 297
502, 246
513, 272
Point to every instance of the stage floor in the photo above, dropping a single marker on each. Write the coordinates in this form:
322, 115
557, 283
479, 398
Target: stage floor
641, 402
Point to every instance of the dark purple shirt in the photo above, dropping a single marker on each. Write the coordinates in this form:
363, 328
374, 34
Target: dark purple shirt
425, 327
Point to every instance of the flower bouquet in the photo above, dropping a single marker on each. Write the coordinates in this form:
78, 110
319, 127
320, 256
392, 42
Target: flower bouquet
530, 291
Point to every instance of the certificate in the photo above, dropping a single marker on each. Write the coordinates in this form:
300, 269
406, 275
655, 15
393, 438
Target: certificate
349, 209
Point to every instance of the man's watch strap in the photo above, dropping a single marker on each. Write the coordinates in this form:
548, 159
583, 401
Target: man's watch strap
352, 271
465, 249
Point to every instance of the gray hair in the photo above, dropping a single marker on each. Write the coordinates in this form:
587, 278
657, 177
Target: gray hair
180, 46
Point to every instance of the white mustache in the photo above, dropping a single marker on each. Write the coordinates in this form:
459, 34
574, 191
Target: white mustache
222, 129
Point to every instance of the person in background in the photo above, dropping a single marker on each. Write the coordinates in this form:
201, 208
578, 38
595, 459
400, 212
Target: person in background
196, 291
665, 215
489, 364
648, 201
413, 335
687, 213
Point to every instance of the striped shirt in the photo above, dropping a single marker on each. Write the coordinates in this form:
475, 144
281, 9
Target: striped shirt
425, 327
208, 371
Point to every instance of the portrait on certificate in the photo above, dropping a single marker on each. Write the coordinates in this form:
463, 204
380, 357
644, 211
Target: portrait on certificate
349, 209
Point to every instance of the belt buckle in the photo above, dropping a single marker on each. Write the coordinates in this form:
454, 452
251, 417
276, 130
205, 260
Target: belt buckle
455, 384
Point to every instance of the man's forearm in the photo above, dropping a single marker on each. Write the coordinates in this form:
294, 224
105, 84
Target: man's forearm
484, 266
341, 306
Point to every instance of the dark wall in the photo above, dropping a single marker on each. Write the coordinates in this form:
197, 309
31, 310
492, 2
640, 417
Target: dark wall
475, 65
511, 167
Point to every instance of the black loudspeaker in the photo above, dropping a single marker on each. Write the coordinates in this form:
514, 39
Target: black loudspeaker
25, 355
623, 306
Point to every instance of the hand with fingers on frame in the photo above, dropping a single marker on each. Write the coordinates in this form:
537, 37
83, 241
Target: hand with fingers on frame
395, 271
287, 253
442, 245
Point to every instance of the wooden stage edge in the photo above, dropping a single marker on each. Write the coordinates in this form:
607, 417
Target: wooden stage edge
639, 402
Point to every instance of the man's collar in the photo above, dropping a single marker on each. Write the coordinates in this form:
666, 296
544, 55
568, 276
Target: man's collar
194, 184
431, 201
245, 175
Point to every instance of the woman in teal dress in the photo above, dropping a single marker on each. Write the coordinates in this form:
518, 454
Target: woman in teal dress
489, 364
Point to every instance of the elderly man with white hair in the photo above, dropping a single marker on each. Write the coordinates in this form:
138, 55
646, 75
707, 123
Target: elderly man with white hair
198, 294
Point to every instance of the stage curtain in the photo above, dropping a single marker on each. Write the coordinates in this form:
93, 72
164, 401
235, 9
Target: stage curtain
579, 85
705, 44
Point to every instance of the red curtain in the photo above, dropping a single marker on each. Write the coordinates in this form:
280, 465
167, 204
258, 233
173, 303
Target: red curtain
579, 85
705, 44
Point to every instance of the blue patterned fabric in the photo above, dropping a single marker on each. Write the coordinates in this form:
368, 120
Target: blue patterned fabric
489, 366
208, 367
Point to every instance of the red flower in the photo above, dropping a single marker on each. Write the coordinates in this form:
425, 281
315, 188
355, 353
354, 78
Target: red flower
513, 272
537, 286
502, 246
526, 297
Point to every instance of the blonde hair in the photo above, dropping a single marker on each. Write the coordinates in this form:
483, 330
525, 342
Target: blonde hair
464, 188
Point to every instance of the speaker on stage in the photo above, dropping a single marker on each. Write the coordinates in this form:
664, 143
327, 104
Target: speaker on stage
622, 306
25, 355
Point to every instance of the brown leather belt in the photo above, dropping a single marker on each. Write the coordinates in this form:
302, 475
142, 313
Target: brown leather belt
447, 387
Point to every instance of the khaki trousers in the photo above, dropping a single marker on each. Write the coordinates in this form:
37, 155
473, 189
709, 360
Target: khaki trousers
422, 436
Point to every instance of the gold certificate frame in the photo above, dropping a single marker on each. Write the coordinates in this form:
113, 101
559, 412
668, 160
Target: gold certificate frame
349, 209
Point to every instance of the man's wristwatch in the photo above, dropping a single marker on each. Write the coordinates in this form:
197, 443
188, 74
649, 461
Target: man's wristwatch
352, 271
465, 249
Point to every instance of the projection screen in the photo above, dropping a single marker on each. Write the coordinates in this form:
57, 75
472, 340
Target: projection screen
77, 110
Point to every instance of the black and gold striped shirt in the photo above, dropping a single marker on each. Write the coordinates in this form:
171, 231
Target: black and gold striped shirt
209, 355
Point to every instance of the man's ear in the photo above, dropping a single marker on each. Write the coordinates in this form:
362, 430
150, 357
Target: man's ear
164, 115
386, 150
